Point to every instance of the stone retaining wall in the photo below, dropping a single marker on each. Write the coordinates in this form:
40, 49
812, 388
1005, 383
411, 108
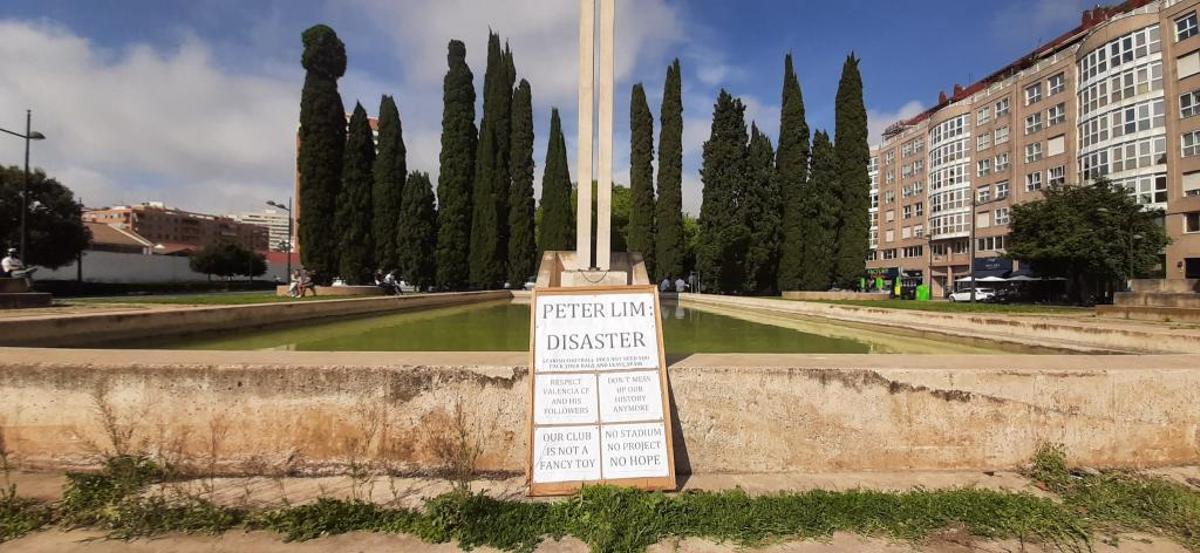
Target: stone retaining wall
314, 412
1060, 332
836, 296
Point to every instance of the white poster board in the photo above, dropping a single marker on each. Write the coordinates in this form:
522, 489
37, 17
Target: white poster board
599, 410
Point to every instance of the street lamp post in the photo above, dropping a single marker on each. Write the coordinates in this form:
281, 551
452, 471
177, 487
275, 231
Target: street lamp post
288, 209
28, 136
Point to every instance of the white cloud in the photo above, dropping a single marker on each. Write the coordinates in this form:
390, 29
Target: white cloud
1031, 23
877, 121
142, 124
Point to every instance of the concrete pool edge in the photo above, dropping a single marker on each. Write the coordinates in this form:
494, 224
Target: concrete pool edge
303, 412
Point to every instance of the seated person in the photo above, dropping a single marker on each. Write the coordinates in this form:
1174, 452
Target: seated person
12, 267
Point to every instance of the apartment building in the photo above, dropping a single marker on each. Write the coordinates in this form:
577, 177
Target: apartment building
276, 222
173, 230
1115, 97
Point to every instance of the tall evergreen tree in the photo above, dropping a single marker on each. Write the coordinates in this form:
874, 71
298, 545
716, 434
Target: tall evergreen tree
817, 221
391, 169
762, 211
556, 231
522, 245
854, 184
720, 257
640, 233
791, 170
417, 231
356, 251
322, 142
669, 240
489, 221
457, 168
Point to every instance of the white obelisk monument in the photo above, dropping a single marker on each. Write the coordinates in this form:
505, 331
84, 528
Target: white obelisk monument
599, 266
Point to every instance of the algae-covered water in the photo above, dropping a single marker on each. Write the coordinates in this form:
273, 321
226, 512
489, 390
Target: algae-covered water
499, 326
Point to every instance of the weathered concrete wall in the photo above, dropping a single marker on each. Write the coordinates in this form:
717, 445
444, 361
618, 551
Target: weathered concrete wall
831, 295
94, 328
306, 412
1061, 332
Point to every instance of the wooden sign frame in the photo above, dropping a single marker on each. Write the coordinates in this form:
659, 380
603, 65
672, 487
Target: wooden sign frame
666, 483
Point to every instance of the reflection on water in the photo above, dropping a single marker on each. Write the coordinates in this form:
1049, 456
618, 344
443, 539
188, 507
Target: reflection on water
502, 327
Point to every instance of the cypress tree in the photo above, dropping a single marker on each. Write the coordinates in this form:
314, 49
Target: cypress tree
322, 140
556, 231
640, 234
356, 253
522, 247
457, 165
390, 171
669, 242
720, 256
791, 170
488, 223
853, 183
763, 215
417, 231
817, 222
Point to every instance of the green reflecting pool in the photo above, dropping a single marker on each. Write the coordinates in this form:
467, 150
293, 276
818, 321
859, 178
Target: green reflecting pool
502, 327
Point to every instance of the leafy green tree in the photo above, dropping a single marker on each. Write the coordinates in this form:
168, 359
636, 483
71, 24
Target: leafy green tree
817, 208
488, 248
390, 171
791, 172
854, 184
56, 234
763, 211
556, 228
226, 259
322, 142
522, 246
641, 177
724, 236
356, 255
416, 239
457, 167
1094, 235
669, 240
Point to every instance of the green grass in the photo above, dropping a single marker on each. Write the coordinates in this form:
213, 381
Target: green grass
204, 299
966, 307
621, 520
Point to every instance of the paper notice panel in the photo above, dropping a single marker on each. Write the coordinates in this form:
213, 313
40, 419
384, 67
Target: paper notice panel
598, 401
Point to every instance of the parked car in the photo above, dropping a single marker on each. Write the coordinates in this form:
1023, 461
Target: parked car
981, 294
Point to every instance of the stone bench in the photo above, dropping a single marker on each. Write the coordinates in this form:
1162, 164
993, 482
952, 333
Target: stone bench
15, 294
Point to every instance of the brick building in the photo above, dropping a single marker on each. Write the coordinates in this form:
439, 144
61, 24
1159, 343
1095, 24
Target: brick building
177, 230
1116, 96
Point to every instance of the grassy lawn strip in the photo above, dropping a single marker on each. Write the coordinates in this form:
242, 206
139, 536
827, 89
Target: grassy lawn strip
965, 307
618, 520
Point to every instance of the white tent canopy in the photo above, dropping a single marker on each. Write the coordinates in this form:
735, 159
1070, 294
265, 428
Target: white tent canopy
983, 279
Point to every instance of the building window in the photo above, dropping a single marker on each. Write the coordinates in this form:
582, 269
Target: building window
889, 157
983, 141
919, 231
1002, 190
1188, 64
983, 115
1033, 181
920, 208
1002, 216
983, 167
1001, 162
1056, 115
1033, 152
918, 187
1185, 26
1033, 123
990, 243
889, 197
891, 215
1190, 143
1033, 93
1189, 104
1056, 84
889, 235
1056, 145
1001, 135
1191, 184
889, 254
1056, 176
1191, 222
1001, 108
984, 195
908, 212
914, 251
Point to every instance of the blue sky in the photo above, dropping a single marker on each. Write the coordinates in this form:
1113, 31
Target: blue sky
195, 103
